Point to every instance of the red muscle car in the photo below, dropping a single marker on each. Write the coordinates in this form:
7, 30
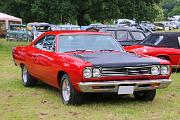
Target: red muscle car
79, 62
162, 45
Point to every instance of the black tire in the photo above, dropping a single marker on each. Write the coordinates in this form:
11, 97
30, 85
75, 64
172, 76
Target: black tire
27, 79
74, 98
145, 95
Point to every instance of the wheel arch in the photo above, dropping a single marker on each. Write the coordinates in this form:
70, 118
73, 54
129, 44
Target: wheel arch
165, 56
59, 76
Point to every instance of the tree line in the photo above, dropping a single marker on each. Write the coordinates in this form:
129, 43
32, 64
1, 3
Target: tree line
82, 12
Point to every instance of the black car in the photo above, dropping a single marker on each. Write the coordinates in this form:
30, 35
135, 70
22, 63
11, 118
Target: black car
126, 36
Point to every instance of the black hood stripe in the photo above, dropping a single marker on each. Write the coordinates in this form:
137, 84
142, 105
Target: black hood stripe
114, 59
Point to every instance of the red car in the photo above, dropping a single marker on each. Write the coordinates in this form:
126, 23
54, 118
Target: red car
79, 62
162, 45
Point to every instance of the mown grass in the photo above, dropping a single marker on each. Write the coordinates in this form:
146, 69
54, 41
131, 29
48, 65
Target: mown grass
42, 102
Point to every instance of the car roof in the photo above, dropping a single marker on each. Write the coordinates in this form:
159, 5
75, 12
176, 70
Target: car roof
170, 34
171, 38
123, 29
60, 32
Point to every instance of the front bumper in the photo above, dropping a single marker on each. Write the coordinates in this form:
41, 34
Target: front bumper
112, 86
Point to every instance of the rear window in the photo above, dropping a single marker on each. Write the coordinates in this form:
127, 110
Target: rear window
122, 35
138, 35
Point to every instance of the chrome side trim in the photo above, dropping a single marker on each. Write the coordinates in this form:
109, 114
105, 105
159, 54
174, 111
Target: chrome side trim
112, 86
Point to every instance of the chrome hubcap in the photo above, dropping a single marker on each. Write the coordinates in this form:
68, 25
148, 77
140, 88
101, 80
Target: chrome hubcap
66, 89
24, 75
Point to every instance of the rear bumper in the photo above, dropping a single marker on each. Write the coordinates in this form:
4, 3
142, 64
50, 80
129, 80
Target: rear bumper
112, 86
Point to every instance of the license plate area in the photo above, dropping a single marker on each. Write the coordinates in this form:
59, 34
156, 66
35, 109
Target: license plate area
125, 90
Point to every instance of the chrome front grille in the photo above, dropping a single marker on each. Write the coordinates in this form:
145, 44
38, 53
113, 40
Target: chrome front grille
126, 71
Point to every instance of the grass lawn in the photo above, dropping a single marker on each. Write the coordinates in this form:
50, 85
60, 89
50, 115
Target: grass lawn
42, 101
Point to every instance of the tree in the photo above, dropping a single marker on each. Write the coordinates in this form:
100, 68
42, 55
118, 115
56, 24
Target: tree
82, 11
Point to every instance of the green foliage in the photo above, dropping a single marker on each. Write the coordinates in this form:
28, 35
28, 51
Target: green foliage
171, 7
175, 10
82, 11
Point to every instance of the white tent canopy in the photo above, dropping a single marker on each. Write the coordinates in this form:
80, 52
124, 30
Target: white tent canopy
8, 18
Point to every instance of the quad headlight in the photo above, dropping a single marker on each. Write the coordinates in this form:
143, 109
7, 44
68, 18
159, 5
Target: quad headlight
165, 69
160, 69
89, 72
155, 70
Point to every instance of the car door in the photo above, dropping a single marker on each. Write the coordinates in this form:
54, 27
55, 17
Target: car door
32, 52
45, 61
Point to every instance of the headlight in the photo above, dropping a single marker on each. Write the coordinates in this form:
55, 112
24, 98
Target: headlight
87, 73
155, 70
96, 72
165, 69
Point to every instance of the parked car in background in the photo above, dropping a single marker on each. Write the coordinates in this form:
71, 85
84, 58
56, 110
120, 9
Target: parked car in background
146, 30
124, 22
162, 45
79, 62
126, 36
38, 28
149, 25
161, 26
97, 25
69, 27
174, 18
169, 25
18, 32
176, 23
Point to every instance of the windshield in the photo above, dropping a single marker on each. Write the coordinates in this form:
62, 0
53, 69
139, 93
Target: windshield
138, 35
17, 28
87, 42
43, 28
153, 40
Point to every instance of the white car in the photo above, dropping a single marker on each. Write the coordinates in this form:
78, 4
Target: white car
174, 18
175, 23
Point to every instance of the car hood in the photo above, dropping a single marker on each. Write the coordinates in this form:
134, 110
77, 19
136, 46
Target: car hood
114, 59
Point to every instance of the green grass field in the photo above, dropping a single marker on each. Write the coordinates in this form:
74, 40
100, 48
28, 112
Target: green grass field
43, 102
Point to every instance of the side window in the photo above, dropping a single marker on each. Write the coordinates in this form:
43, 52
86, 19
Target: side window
122, 35
49, 43
39, 43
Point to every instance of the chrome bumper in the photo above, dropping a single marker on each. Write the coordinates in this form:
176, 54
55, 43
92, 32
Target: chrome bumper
112, 86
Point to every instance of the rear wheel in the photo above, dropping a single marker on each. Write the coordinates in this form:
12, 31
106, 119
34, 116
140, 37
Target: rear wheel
68, 93
145, 95
27, 79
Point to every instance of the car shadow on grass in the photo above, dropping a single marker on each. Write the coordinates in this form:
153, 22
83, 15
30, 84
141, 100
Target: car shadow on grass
94, 98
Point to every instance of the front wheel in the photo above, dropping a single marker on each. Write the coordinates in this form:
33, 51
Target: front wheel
68, 93
145, 95
27, 79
